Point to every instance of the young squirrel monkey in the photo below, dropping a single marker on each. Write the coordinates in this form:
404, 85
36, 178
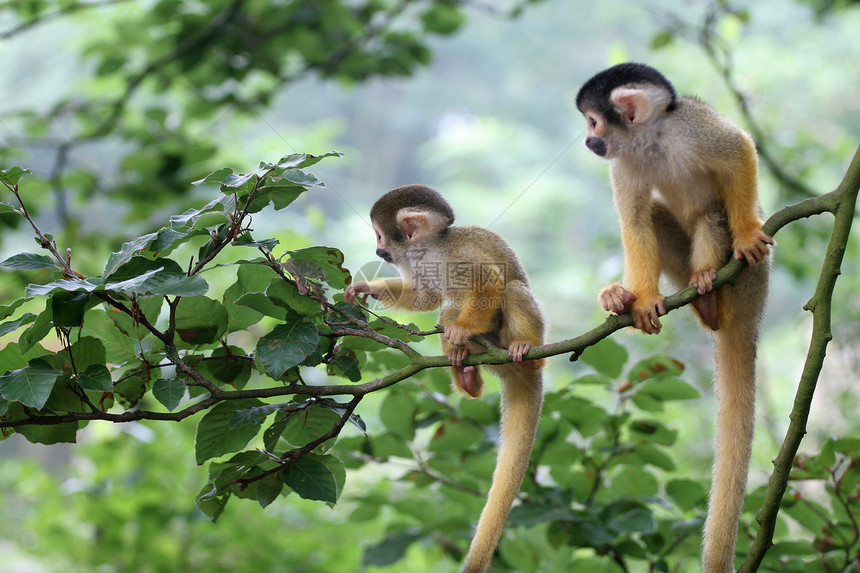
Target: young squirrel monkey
684, 180
483, 290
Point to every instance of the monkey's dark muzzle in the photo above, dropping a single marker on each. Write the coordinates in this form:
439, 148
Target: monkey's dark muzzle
597, 145
384, 255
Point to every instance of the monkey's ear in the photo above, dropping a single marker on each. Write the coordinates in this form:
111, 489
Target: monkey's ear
418, 226
638, 105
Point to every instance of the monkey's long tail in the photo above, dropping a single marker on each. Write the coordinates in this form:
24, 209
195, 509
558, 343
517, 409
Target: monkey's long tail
734, 357
522, 399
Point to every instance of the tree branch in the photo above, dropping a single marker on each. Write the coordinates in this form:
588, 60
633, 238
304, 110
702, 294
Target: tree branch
842, 203
834, 202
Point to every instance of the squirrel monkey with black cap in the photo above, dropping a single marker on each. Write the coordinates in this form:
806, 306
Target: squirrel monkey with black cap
684, 181
483, 290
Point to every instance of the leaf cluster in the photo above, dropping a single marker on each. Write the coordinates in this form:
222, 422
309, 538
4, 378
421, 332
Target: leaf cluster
147, 333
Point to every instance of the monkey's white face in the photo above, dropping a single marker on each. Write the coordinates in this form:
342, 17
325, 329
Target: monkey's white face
595, 140
384, 248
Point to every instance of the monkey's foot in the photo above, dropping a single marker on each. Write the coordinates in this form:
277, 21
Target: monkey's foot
646, 312
703, 280
457, 335
754, 247
517, 349
615, 298
456, 355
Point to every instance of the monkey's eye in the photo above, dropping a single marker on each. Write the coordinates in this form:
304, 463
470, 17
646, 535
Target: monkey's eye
592, 122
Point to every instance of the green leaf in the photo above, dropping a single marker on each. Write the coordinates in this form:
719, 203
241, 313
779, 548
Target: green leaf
188, 219
661, 40
655, 367
390, 550
638, 520
272, 434
280, 196
29, 261
654, 456
455, 436
9, 309
287, 345
76, 285
235, 180
200, 320
30, 385
686, 494
253, 416
11, 358
68, 308
387, 445
310, 424
13, 325
586, 417
126, 252
442, 18
54, 434
168, 392
262, 304
37, 331
653, 431
286, 295
293, 177
337, 469
397, 413
592, 380
312, 479
96, 377
227, 366
323, 263
167, 239
161, 277
244, 464
119, 348
345, 362
12, 175
268, 489
667, 389
633, 481
214, 177
252, 276
129, 390
214, 436
607, 357
301, 160
211, 502
87, 351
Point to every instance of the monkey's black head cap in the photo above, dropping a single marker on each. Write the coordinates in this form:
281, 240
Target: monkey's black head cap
594, 94
410, 196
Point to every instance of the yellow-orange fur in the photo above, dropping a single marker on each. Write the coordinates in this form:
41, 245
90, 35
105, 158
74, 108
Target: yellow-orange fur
495, 301
684, 181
